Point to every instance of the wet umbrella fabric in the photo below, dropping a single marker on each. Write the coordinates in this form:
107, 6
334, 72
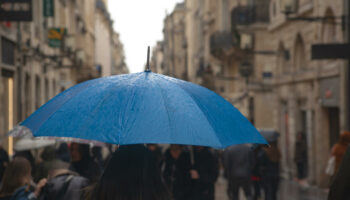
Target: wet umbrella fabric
142, 108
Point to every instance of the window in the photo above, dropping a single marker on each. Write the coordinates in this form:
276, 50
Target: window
37, 92
7, 51
299, 53
281, 61
329, 28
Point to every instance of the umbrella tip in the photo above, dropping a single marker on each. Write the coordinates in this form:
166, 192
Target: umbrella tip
147, 66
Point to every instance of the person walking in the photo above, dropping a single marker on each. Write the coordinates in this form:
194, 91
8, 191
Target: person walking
204, 173
82, 162
340, 187
17, 181
4, 160
270, 170
339, 149
237, 163
300, 157
48, 157
156, 152
63, 184
62, 152
132, 173
176, 174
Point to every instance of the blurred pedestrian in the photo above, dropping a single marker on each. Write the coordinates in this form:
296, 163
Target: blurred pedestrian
338, 150
27, 154
176, 174
238, 163
300, 157
270, 170
63, 184
132, 173
17, 181
48, 157
340, 187
96, 152
256, 170
204, 173
62, 153
82, 162
4, 160
156, 152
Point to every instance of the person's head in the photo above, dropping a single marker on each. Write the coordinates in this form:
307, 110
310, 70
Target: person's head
79, 152
300, 136
132, 173
198, 148
58, 167
175, 150
62, 149
17, 174
96, 151
48, 154
152, 147
345, 138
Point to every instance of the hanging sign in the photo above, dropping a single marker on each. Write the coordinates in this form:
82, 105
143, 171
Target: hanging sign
16, 10
48, 8
56, 36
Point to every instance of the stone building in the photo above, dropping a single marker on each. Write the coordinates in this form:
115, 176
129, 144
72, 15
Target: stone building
157, 64
259, 59
174, 45
103, 37
34, 69
310, 95
118, 56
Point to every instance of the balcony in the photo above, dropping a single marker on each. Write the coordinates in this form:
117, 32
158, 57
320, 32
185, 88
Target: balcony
222, 42
248, 15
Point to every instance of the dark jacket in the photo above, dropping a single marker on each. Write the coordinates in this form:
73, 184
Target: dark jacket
300, 154
238, 162
4, 160
340, 188
87, 168
270, 165
206, 165
176, 175
67, 186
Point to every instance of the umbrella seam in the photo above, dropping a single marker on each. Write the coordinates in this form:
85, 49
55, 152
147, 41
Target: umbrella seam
83, 128
167, 111
51, 115
67, 101
196, 103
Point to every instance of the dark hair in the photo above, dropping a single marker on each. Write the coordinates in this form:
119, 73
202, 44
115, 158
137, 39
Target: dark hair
131, 174
84, 150
17, 174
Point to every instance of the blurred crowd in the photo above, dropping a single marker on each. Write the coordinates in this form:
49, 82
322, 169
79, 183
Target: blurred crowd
148, 172
74, 171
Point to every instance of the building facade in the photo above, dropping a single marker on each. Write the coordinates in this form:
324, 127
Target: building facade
310, 94
259, 58
45, 56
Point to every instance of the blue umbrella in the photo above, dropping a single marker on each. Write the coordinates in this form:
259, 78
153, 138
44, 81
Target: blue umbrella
142, 108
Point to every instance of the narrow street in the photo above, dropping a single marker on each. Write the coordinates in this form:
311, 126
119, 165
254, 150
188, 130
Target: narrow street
289, 190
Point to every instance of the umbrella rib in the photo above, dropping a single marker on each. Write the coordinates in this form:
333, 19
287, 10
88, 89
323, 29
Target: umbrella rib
91, 115
196, 103
163, 101
65, 102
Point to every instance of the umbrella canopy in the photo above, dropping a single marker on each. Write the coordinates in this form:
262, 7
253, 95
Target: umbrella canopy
142, 108
30, 143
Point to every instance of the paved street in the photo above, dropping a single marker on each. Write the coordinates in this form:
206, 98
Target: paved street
289, 190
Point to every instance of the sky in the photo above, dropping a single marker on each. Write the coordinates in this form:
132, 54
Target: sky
140, 24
